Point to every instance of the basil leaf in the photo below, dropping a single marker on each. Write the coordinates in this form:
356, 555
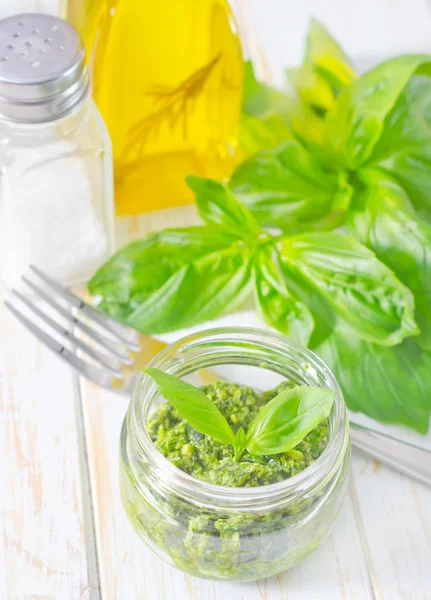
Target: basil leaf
390, 384
404, 148
355, 123
282, 423
325, 53
258, 134
403, 242
202, 290
360, 289
143, 266
309, 128
287, 187
277, 306
271, 116
239, 445
259, 99
197, 409
174, 279
218, 206
324, 317
313, 89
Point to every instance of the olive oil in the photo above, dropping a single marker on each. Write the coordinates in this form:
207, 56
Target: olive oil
167, 78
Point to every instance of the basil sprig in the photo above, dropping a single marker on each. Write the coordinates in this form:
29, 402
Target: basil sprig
192, 404
278, 427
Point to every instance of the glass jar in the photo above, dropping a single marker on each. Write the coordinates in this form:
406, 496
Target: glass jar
56, 180
221, 532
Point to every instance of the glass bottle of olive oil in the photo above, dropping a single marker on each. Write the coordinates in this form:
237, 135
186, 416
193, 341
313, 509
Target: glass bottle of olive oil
167, 78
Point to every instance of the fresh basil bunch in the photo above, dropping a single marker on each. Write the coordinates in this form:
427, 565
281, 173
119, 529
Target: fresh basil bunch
367, 170
306, 286
278, 427
178, 278
338, 152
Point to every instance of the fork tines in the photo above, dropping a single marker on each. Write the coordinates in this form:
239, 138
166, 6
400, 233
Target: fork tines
111, 342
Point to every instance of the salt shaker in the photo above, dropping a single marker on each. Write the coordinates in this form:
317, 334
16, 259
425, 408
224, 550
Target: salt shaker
56, 180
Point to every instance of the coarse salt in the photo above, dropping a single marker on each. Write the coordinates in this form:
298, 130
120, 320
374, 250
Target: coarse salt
49, 217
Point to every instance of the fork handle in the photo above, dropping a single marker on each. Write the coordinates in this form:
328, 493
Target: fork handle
403, 457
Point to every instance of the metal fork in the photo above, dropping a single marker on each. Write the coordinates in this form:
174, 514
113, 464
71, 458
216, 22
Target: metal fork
120, 353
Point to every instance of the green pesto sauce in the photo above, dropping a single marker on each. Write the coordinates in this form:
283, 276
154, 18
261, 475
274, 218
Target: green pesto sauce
208, 459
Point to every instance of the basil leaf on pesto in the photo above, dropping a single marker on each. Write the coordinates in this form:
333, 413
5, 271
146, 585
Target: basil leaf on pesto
213, 461
279, 426
287, 419
193, 405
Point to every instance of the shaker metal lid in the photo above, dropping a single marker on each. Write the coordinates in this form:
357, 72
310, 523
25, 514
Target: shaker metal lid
42, 68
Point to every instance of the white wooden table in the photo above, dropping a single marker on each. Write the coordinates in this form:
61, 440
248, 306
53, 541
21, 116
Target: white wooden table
63, 533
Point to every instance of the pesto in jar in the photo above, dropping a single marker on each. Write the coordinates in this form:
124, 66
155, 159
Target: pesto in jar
208, 459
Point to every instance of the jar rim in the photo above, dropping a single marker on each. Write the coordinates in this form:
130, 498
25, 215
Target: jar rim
206, 493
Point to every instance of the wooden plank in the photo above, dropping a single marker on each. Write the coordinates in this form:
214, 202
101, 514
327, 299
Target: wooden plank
338, 570
392, 511
45, 544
